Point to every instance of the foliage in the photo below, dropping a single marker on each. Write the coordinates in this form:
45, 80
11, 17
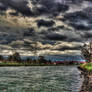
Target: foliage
1, 57
87, 52
87, 66
42, 59
15, 57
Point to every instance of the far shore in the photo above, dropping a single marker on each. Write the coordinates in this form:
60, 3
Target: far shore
28, 64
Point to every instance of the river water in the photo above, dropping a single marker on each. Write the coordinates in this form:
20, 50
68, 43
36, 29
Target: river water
40, 79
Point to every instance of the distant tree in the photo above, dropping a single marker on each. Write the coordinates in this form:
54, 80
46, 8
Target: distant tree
15, 57
29, 60
1, 57
49, 61
10, 58
41, 59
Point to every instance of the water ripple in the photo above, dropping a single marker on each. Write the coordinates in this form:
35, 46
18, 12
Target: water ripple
40, 79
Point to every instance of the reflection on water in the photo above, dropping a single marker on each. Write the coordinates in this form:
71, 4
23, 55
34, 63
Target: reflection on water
39, 79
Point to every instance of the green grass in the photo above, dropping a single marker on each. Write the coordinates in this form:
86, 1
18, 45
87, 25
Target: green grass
28, 64
87, 66
23, 64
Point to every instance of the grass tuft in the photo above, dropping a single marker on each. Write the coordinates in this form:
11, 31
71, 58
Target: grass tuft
87, 66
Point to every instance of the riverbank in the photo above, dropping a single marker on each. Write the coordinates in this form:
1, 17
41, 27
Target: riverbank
86, 71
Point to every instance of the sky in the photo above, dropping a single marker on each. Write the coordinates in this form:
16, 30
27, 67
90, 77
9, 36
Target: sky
62, 26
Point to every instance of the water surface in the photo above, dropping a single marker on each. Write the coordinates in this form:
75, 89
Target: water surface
40, 79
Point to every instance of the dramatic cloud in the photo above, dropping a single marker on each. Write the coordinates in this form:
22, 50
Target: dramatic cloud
45, 49
20, 6
3, 7
55, 36
31, 7
45, 23
55, 26
80, 20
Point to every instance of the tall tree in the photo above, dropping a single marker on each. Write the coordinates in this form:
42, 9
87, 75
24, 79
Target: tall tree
87, 51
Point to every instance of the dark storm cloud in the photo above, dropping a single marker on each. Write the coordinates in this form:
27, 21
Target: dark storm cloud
76, 1
76, 39
79, 26
80, 20
45, 23
48, 33
69, 48
55, 36
3, 7
60, 33
88, 35
36, 7
52, 6
20, 6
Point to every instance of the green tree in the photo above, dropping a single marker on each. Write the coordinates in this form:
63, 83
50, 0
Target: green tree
87, 52
1, 58
15, 57
41, 60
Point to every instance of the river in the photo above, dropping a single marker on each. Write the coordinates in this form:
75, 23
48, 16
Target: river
40, 79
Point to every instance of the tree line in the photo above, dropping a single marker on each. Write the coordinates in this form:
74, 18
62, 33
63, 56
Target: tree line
16, 57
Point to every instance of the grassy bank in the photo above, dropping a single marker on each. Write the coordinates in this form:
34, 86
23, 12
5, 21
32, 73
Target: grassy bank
87, 66
31, 64
23, 64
